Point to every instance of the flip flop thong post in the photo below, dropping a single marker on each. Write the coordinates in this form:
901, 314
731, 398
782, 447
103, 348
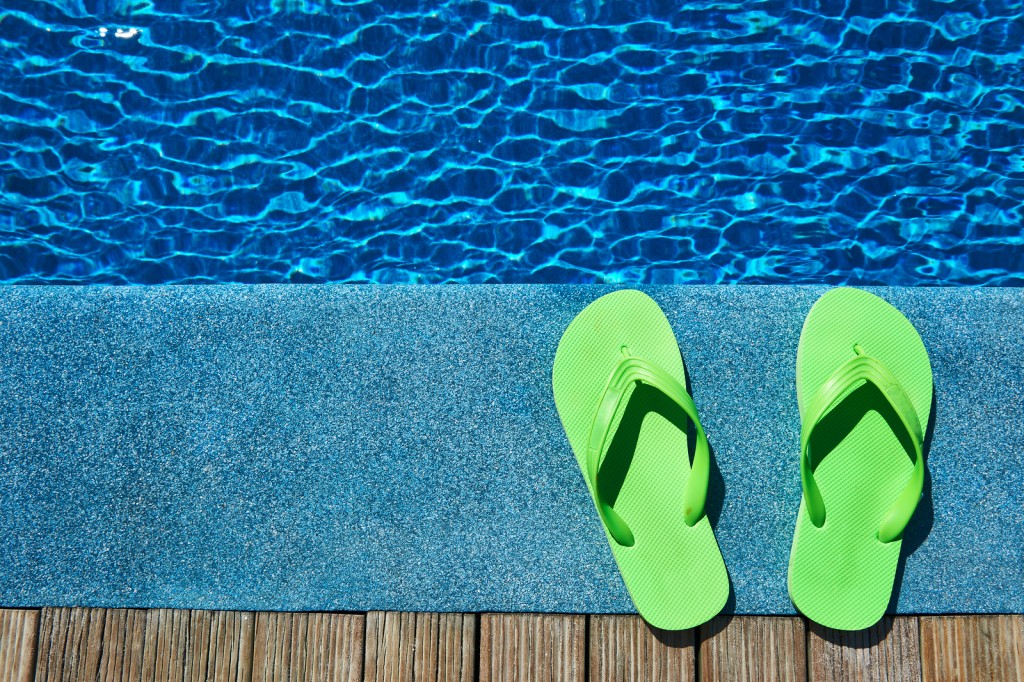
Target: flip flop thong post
619, 386
864, 388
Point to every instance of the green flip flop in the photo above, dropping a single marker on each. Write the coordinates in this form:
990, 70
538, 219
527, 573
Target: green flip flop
864, 387
619, 386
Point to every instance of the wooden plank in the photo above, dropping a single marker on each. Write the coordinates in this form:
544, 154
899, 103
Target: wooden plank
972, 647
457, 647
420, 646
389, 650
627, 648
532, 647
138, 644
18, 631
219, 646
70, 643
124, 639
888, 651
47, 657
165, 644
293, 647
156, 646
335, 646
753, 648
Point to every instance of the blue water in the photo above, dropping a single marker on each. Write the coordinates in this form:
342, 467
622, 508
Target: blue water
777, 142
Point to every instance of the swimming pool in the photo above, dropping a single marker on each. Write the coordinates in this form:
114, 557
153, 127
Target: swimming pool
863, 142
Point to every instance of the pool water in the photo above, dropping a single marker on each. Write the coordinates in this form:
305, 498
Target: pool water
863, 141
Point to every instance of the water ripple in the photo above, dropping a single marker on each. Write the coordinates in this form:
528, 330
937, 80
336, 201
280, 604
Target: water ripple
855, 141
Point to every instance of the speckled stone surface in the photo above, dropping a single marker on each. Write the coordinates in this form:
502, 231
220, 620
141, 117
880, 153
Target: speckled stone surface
370, 447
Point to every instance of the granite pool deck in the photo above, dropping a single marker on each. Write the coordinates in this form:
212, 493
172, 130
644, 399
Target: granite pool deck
376, 448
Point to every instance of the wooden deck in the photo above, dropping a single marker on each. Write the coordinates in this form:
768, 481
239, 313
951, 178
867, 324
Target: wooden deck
186, 646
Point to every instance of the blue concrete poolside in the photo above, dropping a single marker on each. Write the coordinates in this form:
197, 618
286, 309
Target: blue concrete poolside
397, 448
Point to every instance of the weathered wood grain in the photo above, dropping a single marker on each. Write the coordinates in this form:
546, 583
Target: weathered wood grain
296, 647
160, 645
532, 647
70, 642
627, 648
389, 645
420, 646
124, 638
457, 653
155, 646
219, 646
888, 651
972, 648
18, 629
753, 648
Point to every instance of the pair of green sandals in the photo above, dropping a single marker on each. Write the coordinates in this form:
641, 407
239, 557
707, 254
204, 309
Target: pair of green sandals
864, 388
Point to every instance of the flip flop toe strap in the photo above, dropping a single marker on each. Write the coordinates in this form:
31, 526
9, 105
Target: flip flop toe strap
860, 368
632, 369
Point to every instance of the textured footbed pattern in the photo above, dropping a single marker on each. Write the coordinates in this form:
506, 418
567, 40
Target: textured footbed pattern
841, 575
674, 573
